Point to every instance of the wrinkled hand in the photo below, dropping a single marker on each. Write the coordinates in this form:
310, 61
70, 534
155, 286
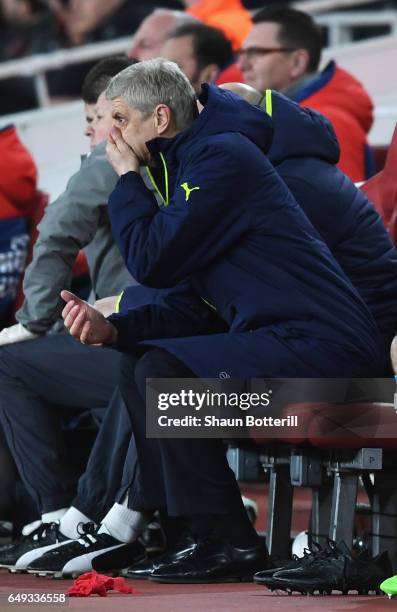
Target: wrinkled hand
85, 323
106, 306
120, 154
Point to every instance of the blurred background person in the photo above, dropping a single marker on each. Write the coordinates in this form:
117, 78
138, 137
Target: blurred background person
283, 52
18, 198
200, 51
154, 30
230, 16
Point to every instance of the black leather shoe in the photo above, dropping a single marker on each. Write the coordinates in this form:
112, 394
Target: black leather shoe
145, 568
153, 539
213, 560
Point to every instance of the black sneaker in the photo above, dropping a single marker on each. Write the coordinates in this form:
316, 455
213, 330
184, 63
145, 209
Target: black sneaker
266, 579
335, 569
93, 551
16, 557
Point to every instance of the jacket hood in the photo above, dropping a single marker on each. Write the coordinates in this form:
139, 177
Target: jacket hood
300, 132
223, 112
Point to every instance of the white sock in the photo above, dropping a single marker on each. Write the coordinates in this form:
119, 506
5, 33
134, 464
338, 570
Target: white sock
123, 524
27, 529
55, 515
70, 521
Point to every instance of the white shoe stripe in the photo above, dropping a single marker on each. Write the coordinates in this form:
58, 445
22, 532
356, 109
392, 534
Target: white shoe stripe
30, 556
83, 563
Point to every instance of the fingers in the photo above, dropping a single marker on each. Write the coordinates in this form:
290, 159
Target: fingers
76, 321
119, 141
115, 134
68, 295
69, 306
85, 332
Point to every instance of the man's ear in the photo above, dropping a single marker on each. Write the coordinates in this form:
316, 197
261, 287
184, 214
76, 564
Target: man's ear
162, 118
299, 63
208, 74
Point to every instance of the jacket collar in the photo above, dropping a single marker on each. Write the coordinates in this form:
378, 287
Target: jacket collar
173, 148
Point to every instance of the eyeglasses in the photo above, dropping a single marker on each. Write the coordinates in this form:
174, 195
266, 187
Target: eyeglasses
252, 52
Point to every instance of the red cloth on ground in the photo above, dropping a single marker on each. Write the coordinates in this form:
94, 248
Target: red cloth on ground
93, 583
230, 16
344, 101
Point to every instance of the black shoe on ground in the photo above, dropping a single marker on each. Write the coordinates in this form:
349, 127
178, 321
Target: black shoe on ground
265, 578
93, 551
153, 539
213, 560
16, 557
336, 570
144, 569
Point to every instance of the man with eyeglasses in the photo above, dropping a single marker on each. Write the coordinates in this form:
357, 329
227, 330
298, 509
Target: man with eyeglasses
283, 52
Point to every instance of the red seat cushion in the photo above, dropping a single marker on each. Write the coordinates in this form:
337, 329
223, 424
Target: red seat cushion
355, 425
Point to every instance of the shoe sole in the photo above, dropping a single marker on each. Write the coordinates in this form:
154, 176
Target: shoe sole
269, 583
201, 580
12, 569
58, 575
127, 575
307, 589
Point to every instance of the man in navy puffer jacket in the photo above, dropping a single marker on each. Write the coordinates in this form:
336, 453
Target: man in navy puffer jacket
232, 229
305, 152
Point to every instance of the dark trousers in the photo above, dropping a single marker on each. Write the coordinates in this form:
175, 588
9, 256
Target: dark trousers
38, 380
184, 477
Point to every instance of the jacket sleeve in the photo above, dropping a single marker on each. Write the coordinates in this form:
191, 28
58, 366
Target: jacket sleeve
69, 224
162, 313
162, 246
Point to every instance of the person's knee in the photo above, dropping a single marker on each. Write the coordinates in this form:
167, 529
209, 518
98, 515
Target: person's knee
9, 362
150, 365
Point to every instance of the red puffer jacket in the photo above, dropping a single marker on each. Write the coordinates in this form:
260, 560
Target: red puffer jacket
18, 176
341, 98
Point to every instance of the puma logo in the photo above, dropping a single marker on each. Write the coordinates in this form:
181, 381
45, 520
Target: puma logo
188, 190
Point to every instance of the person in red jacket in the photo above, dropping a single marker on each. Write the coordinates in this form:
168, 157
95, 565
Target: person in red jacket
230, 16
283, 52
18, 197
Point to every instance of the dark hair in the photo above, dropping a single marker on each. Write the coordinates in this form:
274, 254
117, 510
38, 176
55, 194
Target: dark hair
210, 45
297, 29
98, 78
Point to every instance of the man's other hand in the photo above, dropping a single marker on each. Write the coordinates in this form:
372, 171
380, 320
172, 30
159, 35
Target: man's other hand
120, 154
85, 323
16, 333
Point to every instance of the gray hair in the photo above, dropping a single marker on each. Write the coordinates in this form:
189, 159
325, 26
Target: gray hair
158, 81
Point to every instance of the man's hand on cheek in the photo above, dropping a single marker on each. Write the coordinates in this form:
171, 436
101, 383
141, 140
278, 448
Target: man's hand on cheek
120, 154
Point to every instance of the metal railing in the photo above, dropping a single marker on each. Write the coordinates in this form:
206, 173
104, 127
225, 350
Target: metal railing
340, 26
37, 65
324, 6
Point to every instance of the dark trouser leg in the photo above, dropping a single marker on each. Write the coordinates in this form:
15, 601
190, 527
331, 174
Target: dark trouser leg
8, 477
37, 379
113, 461
186, 477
